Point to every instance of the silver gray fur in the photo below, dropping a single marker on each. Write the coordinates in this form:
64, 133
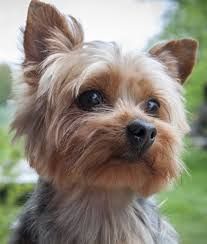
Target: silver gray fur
89, 216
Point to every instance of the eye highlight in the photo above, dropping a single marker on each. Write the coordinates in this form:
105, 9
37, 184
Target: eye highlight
89, 100
152, 106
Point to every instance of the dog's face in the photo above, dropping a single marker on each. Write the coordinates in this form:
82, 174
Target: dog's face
95, 116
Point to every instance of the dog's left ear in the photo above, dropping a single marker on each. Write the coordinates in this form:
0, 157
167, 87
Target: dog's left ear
178, 56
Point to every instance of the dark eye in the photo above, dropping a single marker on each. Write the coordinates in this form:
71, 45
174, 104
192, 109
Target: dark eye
88, 100
152, 106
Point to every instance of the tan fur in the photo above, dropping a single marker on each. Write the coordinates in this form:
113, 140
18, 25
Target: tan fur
69, 146
127, 82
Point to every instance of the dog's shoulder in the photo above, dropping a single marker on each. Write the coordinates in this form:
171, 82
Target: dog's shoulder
148, 211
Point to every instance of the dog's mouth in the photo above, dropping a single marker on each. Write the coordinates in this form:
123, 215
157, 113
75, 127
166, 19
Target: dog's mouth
131, 156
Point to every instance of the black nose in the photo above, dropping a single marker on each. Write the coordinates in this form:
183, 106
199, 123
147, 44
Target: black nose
141, 134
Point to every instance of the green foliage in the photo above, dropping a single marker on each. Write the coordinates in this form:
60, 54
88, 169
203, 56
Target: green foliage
9, 153
7, 213
12, 197
5, 83
186, 204
194, 87
5, 114
190, 21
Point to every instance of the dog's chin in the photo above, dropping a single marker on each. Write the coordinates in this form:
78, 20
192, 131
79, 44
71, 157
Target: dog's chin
132, 171
115, 165
144, 173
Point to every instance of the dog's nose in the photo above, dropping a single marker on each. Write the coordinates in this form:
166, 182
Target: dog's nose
141, 134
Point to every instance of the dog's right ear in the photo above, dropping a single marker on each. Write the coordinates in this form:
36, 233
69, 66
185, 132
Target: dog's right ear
178, 56
48, 31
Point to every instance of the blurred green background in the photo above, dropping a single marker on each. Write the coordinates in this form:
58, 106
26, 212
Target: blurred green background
186, 205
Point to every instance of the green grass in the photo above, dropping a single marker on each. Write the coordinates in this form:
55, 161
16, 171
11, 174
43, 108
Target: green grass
186, 205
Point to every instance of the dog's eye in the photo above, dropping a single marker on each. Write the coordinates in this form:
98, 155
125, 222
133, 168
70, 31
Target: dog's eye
152, 106
88, 100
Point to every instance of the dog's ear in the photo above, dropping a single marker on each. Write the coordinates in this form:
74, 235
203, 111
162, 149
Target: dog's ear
178, 56
47, 30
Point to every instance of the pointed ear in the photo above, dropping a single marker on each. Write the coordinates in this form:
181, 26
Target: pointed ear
44, 22
178, 56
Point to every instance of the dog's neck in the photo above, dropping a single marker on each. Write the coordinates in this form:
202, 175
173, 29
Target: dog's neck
97, 216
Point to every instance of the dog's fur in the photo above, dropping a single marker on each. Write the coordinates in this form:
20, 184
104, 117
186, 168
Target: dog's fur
90, 191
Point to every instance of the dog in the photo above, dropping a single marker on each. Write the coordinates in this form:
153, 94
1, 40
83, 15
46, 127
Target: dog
103, 128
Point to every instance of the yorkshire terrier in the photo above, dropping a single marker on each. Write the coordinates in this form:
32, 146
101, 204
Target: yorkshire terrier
102, 128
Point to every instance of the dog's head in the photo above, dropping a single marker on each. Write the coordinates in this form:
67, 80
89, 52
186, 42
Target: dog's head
96, 116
